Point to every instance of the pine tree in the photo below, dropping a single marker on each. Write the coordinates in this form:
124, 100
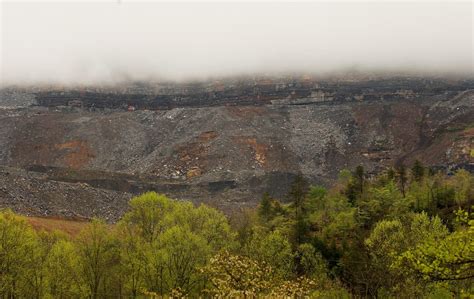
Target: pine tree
297, 193
402, 178
418, 171
360, 178
391, 174
265, 207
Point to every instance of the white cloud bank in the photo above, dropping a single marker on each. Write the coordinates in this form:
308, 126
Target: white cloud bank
91, 42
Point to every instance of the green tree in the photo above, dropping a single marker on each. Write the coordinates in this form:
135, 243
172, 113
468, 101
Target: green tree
334, 220
184, 253
359, 177
391, 175
153, 258
98, 253
418, 171
18, 245
385, 243
265, 210
389, 241
165, 241
312, 262
463, 184
131, 258
355, 185
315, 199
36, 276
212, 225
62, 265
380, 202
148, 212
274, 249
297, 194
402, 178
450, 258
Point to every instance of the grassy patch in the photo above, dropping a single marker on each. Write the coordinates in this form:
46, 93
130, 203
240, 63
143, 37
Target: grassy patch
459, 127
70, 227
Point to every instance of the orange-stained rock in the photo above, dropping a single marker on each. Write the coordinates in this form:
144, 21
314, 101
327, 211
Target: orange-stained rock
77, 153
193, 172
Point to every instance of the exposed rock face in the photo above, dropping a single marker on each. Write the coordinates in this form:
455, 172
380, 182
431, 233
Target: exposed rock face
92, 160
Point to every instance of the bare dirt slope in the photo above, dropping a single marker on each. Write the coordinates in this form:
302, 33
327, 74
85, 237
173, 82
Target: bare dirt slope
83, 163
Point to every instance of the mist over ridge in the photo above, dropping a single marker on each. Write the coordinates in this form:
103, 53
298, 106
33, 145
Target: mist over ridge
106, 43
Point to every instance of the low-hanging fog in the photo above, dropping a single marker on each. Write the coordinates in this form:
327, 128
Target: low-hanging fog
104, 42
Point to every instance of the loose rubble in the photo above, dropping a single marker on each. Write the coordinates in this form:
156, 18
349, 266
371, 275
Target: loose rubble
66, 157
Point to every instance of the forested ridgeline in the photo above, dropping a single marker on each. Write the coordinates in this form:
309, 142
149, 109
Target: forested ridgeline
401, 234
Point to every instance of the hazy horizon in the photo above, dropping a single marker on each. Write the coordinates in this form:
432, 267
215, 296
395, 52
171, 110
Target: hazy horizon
109, 42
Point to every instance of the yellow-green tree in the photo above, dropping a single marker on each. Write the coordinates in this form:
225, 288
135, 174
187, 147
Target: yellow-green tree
63, 271
274, 249
98, 254
450, 258
19, 246
166, 241
389, 240
131, 251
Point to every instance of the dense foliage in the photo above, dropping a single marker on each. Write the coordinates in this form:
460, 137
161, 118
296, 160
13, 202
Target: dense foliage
406, 233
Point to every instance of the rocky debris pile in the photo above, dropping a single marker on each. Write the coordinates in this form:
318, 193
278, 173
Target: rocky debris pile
226, 156
28, 193
16, 97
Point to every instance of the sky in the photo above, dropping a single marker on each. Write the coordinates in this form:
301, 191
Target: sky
87, 42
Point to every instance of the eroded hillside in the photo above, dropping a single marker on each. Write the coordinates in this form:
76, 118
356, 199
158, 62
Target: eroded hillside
84, 152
